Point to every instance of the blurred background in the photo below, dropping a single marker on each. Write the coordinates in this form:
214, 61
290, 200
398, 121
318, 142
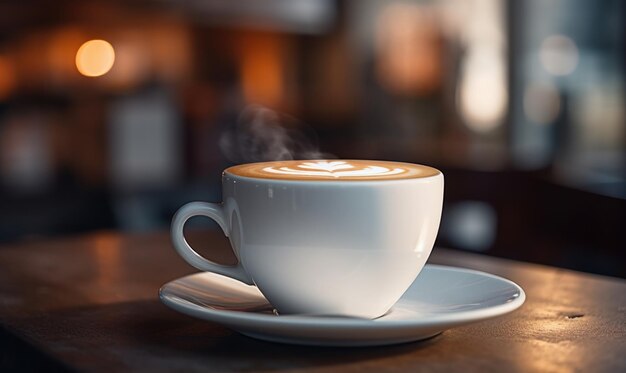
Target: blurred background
114, 113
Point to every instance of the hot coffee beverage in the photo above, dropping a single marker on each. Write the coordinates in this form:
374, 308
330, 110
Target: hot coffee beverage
324, 237
338, 170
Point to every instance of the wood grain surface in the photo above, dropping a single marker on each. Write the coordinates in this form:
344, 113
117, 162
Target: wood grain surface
90, 303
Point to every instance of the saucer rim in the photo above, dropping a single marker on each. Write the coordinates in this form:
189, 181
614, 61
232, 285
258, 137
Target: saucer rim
240, 319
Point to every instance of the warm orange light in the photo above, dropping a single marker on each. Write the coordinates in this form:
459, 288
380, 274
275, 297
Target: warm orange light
7, 77
95, 58
262, 69
408, 53
62, 45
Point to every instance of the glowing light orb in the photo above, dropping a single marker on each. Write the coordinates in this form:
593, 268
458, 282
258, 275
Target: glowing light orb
482, 95
559, 55
95, 58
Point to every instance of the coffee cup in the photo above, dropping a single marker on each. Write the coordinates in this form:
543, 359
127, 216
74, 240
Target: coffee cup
324, 237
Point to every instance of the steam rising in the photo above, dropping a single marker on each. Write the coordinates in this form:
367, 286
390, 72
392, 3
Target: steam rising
262, 134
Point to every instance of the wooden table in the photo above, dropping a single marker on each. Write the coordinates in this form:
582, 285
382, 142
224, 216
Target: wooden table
90, 303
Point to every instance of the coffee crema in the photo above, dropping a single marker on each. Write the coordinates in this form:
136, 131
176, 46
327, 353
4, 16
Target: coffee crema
332, 169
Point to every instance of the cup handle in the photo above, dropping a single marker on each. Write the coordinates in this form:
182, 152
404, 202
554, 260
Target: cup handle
213, 211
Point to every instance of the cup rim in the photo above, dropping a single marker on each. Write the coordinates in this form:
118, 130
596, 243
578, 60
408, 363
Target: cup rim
438, 174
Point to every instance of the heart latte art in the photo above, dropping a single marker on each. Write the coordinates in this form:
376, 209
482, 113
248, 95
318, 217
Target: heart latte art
344, 170
334, 169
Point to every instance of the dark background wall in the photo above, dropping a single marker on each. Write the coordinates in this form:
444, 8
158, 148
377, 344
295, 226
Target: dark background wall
519, 103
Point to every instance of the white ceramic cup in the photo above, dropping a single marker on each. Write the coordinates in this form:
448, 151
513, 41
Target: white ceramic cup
315, 247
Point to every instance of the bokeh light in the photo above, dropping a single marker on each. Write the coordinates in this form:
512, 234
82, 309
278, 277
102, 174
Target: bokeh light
482, 95
408, 53
559, 55
95, 58
263, 69
482, 92
7, 77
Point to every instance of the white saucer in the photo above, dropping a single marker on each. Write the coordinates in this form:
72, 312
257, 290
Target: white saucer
440, 298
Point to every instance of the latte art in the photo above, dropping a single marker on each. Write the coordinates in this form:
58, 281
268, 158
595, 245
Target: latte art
332, 170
